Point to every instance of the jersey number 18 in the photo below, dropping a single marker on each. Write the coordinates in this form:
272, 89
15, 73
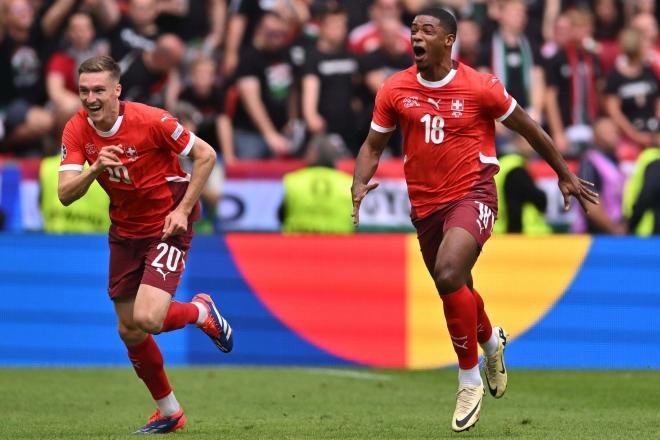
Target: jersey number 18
433, 131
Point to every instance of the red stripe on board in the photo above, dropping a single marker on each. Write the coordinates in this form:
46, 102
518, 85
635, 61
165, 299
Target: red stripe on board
344, 294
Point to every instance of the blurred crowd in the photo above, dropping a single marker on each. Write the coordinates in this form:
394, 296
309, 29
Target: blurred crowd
262, 79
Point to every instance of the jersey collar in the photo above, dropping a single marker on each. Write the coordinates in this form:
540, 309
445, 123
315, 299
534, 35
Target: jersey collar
436, 84
115, 128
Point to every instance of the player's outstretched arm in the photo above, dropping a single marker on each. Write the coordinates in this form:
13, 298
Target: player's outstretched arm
203, 160
365, 168
569, 183
72, 185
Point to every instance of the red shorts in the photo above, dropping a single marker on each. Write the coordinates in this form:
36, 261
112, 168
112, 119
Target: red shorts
135, 261
476, 214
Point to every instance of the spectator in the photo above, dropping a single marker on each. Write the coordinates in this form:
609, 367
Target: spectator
135, 31
328, 79
601, 166
376, 67
389, 58
318, 198
365, 38
641, 199
647, 24
56, 14
62, 68
244, 18
152, 76
571, 98
468, 42
511, 58
200, 24
191, 118
561, 35
22, 94
609, 22
264, 83
632, 92
206, 96
521, 203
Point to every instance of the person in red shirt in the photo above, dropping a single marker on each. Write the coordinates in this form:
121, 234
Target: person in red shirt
446, 112
133, 153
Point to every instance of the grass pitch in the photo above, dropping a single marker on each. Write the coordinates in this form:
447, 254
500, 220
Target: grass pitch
300, 403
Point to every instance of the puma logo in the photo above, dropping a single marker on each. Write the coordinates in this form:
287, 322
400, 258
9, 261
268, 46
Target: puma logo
164, 274
460, 342
436, 104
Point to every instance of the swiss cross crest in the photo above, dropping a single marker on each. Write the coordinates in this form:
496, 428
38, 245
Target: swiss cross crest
457, 105
411, 101
457, 108
91, 149
131, 153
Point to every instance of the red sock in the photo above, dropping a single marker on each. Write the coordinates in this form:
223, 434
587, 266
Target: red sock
484, 329
179, 315
461, 316
147, 361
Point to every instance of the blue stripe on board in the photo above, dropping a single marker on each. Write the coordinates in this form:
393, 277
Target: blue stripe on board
609, 316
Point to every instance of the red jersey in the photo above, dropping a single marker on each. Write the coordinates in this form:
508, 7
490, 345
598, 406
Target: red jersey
150, 183
448, 129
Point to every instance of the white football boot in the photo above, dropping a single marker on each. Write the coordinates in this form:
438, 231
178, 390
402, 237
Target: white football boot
495, 371
468, 407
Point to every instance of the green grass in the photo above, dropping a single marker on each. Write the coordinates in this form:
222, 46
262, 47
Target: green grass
298, 403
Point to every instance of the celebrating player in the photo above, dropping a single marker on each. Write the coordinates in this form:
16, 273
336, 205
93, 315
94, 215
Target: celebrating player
446, 111
133, 152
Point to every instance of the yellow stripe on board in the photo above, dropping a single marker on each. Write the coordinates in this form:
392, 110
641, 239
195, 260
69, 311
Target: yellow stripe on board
520, 279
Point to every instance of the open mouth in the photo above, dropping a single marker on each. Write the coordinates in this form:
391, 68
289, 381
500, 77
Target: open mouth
419, 52
94, 108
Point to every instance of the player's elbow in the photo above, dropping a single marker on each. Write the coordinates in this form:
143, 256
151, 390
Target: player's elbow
211, 154
65, 199
207, 155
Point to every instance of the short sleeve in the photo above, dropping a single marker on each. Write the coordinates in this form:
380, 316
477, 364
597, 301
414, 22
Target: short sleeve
72, 157
218, 100
173, 135
311, 65
552, 71
612, 83
248, 65
497, 102
384, 118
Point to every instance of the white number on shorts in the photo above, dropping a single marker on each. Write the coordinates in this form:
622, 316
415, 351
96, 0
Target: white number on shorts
433, 128
173, 257
119, 174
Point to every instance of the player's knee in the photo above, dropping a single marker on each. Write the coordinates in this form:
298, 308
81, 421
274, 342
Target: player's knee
448, 278
148, 322
130, 335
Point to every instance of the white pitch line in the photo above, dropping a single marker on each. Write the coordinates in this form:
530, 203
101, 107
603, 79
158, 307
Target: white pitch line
351, 374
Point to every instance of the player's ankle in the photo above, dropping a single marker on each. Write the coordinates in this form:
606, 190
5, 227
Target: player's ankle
203, 313
490, 346
469, 377
168, 405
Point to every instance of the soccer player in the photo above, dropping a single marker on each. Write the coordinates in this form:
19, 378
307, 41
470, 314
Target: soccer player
133, 152
446, 111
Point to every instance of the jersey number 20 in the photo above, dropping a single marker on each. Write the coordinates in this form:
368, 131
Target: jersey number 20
433, 131
119, 174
